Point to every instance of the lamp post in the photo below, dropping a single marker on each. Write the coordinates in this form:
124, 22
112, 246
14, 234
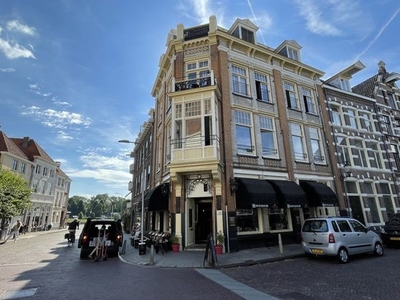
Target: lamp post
345, 172
142, 245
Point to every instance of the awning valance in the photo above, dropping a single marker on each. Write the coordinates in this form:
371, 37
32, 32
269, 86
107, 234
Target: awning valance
253, 193
156, 200
319, 194
289, 193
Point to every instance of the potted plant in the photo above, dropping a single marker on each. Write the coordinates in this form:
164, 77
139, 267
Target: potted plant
220, 242
174, 243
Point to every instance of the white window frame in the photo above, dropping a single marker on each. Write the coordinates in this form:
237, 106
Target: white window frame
243, 121
239, 80
262, 87
316, 145
292, 100
292, 53
298, 142
308, 99
267, 125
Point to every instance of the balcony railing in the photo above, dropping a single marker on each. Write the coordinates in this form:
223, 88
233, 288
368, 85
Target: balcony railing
195, 83
195, 148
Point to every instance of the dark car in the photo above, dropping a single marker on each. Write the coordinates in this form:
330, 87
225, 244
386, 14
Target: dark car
391, 231
92, 230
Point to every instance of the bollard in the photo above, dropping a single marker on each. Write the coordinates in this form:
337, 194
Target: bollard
152, 254
280, 244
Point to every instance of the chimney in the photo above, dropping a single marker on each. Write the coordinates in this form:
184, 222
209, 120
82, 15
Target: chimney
25, 142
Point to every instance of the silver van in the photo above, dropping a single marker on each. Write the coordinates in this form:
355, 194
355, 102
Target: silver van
339, 237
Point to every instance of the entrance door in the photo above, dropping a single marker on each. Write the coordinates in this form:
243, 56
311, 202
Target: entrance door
203, 221
191, 222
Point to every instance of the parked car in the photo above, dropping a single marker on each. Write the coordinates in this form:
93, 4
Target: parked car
339, 237
391, 231
92, 230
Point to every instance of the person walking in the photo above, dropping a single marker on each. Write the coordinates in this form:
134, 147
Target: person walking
14, 231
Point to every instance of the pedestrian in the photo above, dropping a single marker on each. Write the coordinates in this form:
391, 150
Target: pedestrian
14, 231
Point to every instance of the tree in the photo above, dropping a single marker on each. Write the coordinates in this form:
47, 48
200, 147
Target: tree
76, 205
14, 194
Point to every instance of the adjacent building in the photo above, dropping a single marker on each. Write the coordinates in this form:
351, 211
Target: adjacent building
50, 185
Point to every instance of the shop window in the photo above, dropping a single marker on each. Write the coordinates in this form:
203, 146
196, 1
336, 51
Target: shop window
247, 220
278, 219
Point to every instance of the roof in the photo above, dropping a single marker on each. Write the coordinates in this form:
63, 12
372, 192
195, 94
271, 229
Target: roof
7, 145
32, 149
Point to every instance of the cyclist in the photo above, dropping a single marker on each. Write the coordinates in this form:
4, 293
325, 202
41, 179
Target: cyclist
72, 229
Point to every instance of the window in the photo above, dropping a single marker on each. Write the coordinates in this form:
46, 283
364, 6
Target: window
49, 186
365, 121
262, 87
247, 220
51, 173
41, 187
268, 137
345, 84
198, 69
293, 54
336, 118
243, 132
298, 142
239, 80
392, 101
343, 149
350, 117
316, 145
15, 165
278, 219
308, 101
45, 171
358, 153
344, 226
35, 185
291, 98
37, 171
22, 167
372, 214
373, 153
244, 34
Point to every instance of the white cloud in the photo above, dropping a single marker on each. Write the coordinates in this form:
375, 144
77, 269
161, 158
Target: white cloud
13, 51
15, 25
315, 21
7, 70
57, 119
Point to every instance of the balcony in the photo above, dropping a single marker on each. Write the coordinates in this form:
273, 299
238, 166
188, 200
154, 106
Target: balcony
194, 83
195, 148
130, 186
131, 168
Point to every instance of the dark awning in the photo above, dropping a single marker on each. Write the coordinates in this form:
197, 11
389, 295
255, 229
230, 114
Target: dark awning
319, 194
253, 193
289, 193
156, 200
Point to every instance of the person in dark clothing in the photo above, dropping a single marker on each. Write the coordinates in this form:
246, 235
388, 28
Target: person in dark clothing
72, 229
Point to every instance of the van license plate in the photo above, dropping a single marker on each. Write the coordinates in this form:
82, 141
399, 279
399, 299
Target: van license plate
395, 238
317, 251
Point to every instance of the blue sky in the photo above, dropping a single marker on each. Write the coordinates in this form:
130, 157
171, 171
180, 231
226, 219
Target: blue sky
77, 76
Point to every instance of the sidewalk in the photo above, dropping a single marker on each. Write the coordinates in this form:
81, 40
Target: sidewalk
195, 259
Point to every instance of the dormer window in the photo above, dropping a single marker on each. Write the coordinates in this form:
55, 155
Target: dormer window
345, 84
293, 54
244, 34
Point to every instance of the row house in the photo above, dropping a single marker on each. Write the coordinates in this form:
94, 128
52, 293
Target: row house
50, 185
239, 139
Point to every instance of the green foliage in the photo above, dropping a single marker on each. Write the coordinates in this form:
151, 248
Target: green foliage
80, 215
220, 238
14, 194
174, 239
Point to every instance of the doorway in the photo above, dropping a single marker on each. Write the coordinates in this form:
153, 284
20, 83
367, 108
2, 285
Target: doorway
203, 221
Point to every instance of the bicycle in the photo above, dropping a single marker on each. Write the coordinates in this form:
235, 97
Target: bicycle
70, 237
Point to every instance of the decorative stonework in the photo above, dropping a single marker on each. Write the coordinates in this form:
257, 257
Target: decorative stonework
248, 160
273, 163
197, 50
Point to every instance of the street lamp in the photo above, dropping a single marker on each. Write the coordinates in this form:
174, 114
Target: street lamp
126, 142
345, 172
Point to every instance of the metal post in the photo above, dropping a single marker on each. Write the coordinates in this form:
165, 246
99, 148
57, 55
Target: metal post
280, 243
